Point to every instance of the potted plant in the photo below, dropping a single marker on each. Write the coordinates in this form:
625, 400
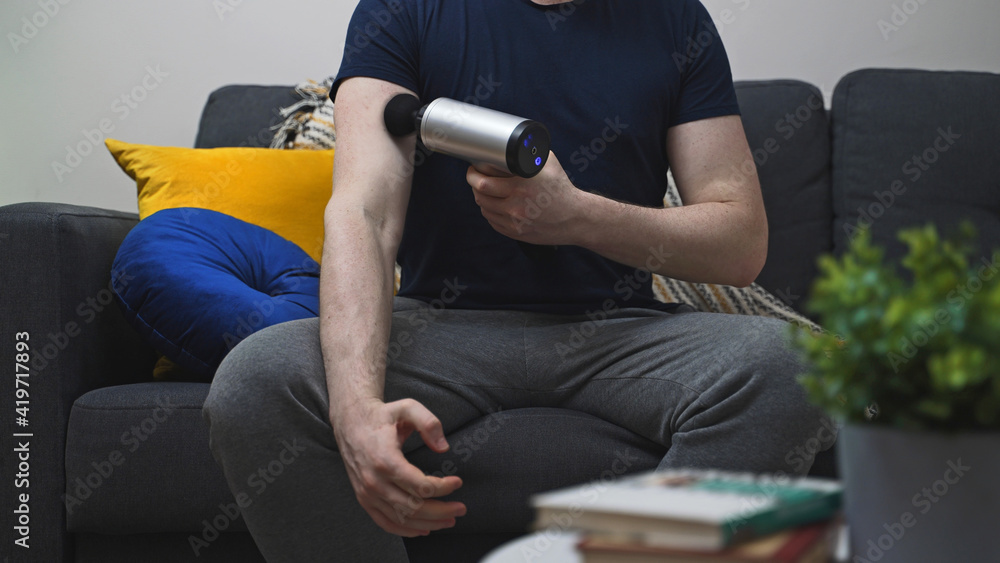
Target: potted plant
910, 362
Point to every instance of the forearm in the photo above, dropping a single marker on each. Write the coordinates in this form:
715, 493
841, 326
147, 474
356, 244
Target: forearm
356, 287
712, 242
719, 236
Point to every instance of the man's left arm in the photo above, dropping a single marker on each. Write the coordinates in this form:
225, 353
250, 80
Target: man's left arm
718, 236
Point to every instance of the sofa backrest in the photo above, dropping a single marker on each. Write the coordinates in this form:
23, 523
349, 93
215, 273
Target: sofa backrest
788, 130
912, 147
242, 115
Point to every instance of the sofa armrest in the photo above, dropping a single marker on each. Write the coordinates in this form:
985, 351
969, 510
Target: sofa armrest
55, 271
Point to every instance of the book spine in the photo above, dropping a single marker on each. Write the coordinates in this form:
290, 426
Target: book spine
782, 517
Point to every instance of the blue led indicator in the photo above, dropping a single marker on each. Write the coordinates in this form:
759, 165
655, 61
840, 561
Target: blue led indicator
526, 142
538, 161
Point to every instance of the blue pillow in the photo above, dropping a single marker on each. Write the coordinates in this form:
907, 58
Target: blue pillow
195, 289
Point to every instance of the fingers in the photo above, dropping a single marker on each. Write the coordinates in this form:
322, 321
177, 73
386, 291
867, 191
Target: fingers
413, 481
402, 522
505, 202
392, 477
486, 186
403, 504
401, 512
423, 420
397, 494
393, 527
478, 181
504, 225
433, 512
394, 522
475, 178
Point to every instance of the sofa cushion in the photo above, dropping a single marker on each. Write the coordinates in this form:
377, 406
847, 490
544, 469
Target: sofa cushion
137, 461
912, 147
228, 243
229, 547
788, 131
198, 289
282, 191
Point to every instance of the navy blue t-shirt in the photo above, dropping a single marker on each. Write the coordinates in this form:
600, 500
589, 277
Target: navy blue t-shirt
607, 77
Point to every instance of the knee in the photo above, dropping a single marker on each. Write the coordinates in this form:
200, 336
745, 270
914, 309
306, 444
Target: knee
765, 383
261, 370
766, 370
741, 357
758, 356
777, 368
769, 346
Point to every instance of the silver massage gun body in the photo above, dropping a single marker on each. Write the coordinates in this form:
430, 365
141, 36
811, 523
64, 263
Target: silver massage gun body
483, 137
496, 143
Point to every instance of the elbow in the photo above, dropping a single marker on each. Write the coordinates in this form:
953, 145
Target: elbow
740, 271
746, 273
746, 269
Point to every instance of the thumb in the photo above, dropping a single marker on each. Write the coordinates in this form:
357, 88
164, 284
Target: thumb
474, 176
424, 421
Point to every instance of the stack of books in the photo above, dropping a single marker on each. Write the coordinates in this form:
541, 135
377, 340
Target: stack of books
698, 516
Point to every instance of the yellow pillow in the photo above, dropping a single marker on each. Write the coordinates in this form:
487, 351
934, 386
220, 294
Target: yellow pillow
280, 190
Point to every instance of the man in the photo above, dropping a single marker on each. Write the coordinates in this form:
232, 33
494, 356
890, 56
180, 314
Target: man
626, 89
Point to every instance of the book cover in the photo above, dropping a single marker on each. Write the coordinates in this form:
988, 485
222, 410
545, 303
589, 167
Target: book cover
808, 544
691, 509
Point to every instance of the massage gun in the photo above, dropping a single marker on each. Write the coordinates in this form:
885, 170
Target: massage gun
483, 137
495, 143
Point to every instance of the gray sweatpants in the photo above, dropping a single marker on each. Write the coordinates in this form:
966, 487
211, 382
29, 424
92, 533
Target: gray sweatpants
718, 390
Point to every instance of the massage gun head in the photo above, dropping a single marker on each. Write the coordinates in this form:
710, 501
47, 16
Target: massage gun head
475, 134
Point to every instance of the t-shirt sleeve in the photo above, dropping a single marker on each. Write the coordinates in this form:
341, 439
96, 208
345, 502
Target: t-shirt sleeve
381, 43
706, 88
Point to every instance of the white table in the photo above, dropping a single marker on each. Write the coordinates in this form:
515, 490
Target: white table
547, 546
550, 546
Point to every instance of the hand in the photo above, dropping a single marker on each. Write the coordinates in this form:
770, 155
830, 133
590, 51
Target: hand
396, 494
542, 210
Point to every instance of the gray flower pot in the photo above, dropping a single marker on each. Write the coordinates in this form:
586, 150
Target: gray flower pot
913, 497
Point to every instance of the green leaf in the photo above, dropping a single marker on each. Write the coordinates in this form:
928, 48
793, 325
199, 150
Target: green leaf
926, 349
934, 408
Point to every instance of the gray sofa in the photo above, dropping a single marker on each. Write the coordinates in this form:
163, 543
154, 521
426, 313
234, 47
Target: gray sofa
904, 147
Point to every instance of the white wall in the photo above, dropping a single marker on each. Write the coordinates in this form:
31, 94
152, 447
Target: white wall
71, 75
820, 41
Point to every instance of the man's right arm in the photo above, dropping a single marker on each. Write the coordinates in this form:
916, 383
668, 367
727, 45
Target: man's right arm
364, 223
